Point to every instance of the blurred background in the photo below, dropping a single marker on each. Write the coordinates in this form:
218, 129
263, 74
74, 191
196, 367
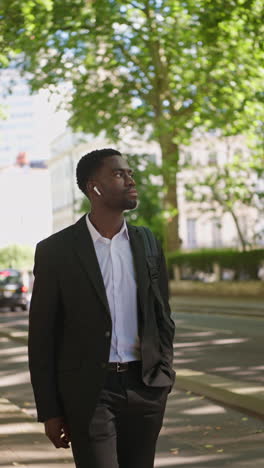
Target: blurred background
177, 87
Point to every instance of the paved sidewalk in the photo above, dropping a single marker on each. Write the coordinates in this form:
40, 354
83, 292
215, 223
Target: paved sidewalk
203, 434
23, 443
196, 433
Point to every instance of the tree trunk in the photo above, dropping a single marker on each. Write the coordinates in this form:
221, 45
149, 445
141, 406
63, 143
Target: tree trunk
170, 156
172, 241
217, 271
177, 272
230, 210
240, 235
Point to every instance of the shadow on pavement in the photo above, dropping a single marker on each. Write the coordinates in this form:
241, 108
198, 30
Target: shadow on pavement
200, 433
216, 352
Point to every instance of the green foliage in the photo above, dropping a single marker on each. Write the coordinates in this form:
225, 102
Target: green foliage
169, 63
85, 205
151, 191
165, 67
202, 260
17, 256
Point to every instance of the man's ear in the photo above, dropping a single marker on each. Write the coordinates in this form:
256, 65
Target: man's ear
89, 187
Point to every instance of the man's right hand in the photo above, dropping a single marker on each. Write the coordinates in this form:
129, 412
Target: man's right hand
57, 431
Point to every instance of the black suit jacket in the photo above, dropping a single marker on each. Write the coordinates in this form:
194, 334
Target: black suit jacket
69, 324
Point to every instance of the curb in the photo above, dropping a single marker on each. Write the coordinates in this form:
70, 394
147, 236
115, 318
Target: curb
244, 396
248, 310
207, 311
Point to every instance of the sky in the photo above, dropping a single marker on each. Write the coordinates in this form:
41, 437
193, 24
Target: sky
31, 122
25, 194
50, 122
25, 206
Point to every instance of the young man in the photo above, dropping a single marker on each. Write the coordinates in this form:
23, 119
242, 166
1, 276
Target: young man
100, 343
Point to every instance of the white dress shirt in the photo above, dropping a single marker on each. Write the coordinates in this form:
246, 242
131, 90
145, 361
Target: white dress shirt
116, 263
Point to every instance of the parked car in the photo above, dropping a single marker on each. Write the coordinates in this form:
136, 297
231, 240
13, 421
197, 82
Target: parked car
13, 291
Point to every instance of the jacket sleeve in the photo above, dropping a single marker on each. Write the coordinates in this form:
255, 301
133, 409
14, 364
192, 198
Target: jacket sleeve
43, 327
165, 323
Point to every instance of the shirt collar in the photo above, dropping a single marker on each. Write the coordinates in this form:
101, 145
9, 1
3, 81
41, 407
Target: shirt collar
96, 235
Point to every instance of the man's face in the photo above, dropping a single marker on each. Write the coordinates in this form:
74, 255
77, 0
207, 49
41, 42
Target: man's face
116, 184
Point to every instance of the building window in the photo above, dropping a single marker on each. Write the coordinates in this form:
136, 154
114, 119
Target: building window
191, 233
238, 152
216, 232
212, 158
188, 158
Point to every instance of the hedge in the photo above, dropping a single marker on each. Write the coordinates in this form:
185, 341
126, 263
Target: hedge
17, 256
247, 263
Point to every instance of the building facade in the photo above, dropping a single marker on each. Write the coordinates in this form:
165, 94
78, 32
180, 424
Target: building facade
17, 125
197, 230
25, 209
212, 229
28, 122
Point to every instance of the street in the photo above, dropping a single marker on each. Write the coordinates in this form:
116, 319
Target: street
230, 347
197, 432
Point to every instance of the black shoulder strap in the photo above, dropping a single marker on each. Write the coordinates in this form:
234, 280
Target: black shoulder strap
150, 243
152, 258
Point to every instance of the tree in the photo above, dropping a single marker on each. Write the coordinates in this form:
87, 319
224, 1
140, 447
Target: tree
165, 66
228, 188
17, 256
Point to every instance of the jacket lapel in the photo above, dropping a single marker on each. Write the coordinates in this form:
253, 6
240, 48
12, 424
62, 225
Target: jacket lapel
139, 255
84, 247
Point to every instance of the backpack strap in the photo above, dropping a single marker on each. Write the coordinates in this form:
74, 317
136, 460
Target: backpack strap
150, 242
151, 250
153, 260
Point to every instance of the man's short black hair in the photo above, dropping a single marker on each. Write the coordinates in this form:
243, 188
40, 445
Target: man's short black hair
90, 163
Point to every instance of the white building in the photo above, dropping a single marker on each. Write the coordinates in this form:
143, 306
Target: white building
196, 229
211, 229
25, 208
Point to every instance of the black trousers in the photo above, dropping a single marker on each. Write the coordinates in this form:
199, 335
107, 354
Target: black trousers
125, 426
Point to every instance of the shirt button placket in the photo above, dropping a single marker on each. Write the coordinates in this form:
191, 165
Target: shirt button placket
114, 337
115, 296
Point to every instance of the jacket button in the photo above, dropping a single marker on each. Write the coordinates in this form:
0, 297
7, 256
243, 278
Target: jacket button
107, 334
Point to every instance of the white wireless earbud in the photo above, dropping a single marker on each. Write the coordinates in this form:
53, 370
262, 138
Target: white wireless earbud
97, 191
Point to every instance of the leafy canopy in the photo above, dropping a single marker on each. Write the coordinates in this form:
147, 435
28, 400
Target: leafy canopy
160, 67
17, 256
170, 64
